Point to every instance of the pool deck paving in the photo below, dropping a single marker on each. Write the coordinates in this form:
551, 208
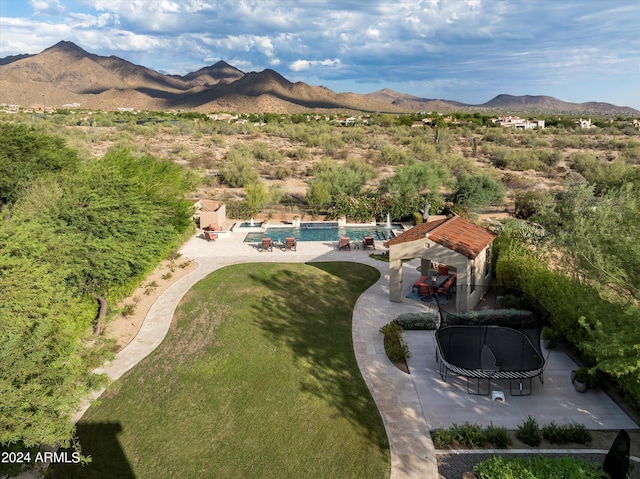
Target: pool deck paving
410, 405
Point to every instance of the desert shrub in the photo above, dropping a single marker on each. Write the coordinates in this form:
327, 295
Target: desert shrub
480, 190
529, 432
394, 344
263, 152
423, 149
353, 136
239, 169
568, 141
497, 436
566, 433
128, 310
459, 165
167, 276
537, 467
300, 153
500, 136
417, 321
391, 155
531, 202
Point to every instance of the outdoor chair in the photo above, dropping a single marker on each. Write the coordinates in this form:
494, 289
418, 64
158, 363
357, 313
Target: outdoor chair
210, 236
267, 244
447, 287
425, 291
367, 241
345, 243
289, 243
215, 227
443, 270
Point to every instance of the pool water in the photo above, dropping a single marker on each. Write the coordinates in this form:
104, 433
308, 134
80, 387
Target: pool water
355, 233
256, 224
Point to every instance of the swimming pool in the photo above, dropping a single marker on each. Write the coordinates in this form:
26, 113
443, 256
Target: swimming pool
356, 233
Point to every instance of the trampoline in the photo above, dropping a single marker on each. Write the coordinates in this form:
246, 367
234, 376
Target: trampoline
494, 344
489, 352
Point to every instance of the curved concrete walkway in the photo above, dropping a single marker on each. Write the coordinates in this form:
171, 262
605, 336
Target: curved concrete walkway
412, 451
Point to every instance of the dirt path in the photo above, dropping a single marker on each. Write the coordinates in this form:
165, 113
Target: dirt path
124, 327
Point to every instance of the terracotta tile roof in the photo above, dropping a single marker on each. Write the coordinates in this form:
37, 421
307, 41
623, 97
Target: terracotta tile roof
455, 233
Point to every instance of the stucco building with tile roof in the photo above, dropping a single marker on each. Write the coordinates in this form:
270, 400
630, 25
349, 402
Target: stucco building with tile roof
461, 245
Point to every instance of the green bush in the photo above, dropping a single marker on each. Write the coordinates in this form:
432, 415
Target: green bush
417, 321
566, 433
497, 436
444, 438
492, 316
469, 435
394, 344
537, 467
529, 432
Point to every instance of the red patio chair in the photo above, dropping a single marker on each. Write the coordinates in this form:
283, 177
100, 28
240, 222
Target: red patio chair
215, 227
289, 243
345, 243
367, 241
425, 290
267, 244
210, 236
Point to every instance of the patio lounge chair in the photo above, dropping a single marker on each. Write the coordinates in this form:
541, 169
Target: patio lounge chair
215, 227
367, 241
267, 244
345, 243
210, 236
289, 243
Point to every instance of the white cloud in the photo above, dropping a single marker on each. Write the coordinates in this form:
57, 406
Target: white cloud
300, 65
46, 7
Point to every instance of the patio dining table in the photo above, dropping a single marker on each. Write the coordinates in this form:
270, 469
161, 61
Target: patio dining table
429, 281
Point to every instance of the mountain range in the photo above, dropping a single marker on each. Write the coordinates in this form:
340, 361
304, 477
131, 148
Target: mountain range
66, 74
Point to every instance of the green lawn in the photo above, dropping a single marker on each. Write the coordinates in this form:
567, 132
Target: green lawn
256, 379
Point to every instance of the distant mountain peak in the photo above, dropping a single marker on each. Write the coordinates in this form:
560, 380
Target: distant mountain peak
70, 74
67, 47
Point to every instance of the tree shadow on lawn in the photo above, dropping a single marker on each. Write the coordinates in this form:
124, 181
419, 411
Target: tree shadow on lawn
314, 320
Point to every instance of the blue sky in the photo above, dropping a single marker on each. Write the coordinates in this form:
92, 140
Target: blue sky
463, 50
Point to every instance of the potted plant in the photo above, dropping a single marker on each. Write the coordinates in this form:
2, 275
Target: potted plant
549, 337
580, 379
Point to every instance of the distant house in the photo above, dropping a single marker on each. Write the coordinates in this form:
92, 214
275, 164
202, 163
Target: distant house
518, 123
223, 117
456, 243
346, 121
585, 124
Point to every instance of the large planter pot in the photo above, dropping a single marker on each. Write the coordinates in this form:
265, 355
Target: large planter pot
580, 385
